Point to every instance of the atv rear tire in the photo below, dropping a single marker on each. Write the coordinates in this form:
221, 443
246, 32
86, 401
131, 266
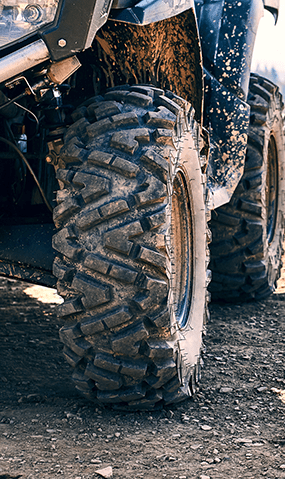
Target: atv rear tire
132, 248
248, 232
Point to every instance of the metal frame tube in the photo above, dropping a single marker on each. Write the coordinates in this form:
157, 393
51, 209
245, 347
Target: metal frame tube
23, 59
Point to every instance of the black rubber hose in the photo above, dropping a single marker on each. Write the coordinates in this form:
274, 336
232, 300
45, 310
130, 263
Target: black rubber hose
29, 168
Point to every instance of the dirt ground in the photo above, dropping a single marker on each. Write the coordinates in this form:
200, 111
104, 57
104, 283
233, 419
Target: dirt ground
234, 427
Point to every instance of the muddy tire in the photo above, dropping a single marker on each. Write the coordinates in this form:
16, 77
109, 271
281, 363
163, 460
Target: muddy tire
132, 251
248, 232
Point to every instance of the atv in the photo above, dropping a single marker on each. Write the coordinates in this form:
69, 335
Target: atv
131, 133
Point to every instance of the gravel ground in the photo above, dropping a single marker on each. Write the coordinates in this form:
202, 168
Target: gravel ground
233, 428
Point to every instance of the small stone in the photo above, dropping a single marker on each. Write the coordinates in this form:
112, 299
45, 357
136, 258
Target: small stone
243, 440
185, 418
215, 451
106, 472
226, 390
195, 446
261, 389
117, 434
282, 466
96, 461
162, 457
205, 427
204, 477
69, 415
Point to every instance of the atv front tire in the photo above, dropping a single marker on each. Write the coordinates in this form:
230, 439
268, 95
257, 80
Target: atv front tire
131, 246
248, 232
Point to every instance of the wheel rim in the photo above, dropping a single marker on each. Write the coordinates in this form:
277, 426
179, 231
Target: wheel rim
271, 188
182, 249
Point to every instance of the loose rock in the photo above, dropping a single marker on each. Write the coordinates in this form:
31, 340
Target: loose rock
106, 472
205, 427
226, 390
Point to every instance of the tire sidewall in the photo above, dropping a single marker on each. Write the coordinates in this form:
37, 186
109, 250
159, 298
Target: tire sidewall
189, 337
273, 250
